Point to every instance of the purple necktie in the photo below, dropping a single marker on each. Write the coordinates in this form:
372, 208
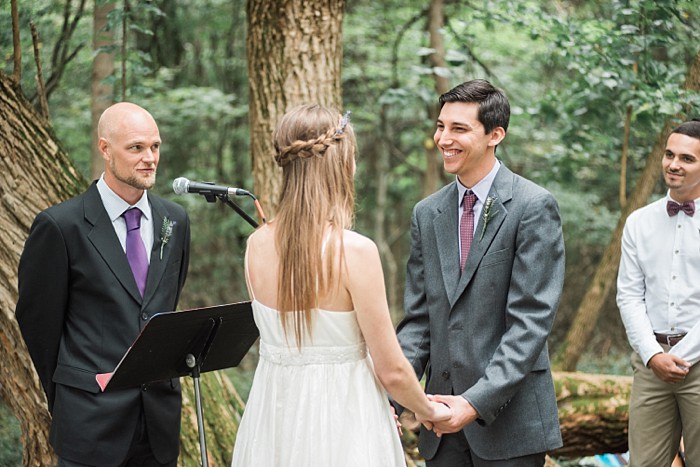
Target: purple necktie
466, 226
672, 208
135, 250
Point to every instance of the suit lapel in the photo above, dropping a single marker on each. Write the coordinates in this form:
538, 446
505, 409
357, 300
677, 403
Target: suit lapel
502, 192
446, 227
105, 240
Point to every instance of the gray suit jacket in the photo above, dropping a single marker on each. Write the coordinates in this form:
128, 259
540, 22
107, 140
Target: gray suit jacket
483, 333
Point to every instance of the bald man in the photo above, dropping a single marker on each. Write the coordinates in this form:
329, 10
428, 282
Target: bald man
88, 283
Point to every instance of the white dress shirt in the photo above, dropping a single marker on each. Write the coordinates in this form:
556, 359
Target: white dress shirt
658, 288
481, 190
115, 207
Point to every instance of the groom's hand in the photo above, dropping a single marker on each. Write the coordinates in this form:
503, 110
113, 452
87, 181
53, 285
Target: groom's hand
462, 414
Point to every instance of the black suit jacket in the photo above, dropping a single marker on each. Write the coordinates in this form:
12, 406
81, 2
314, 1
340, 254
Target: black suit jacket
79, 310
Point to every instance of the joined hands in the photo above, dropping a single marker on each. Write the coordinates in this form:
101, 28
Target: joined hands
450, 414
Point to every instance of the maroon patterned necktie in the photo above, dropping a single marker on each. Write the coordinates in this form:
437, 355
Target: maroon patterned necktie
466, 226
673, 208
135, 249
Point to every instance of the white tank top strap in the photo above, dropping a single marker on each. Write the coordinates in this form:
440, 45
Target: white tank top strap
247, 274
326, 237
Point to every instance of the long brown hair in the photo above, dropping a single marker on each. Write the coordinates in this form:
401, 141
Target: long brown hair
316, 149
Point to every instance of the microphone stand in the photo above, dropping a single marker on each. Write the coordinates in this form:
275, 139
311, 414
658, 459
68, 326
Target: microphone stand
211, 198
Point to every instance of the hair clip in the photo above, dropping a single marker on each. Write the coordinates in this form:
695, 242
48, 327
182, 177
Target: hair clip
343, 123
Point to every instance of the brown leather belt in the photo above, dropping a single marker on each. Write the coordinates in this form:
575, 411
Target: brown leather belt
668, 339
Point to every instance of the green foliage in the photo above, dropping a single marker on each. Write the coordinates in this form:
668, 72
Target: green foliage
10, 445
388, 88
617, 56
585, 220
571, 70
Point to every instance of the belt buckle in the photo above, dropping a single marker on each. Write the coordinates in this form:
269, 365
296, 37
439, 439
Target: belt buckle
673, 339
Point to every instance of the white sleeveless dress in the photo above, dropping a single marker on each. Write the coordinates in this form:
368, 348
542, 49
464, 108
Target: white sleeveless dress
319, 406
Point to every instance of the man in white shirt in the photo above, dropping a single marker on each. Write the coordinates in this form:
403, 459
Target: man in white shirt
658, 294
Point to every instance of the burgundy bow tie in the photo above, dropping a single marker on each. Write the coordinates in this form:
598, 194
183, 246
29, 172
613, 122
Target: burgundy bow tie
673, 208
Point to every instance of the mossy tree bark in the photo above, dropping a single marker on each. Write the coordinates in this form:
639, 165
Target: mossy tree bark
34, 174
294, 57
593, 413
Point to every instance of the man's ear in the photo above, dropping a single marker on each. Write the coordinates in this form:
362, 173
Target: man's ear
103, 146
497, 135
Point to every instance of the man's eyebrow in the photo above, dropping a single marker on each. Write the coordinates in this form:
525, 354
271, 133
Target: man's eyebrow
681, 154
464, 124
142, 142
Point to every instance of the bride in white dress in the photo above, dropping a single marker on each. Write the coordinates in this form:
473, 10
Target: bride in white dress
328, 350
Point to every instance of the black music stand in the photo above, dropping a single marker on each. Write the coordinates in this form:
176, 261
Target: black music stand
189, 342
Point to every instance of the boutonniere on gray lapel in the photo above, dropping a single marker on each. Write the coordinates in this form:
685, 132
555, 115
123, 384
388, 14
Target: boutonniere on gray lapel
166, 231
488, 214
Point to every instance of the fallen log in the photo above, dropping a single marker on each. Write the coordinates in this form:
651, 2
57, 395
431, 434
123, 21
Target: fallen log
593, 413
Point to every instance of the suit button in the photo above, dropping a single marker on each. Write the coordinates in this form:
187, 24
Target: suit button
446, 374
456, 365
144, 316
144, 387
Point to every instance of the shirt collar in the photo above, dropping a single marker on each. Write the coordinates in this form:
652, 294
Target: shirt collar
482, 187
115, 205
668, 198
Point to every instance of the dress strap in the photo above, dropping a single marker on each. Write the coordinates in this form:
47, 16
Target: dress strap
247, 273
326, 237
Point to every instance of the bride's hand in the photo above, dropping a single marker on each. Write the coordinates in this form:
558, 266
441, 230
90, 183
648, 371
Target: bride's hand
440, 412
396, 420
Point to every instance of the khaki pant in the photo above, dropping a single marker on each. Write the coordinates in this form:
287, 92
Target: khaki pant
659, 413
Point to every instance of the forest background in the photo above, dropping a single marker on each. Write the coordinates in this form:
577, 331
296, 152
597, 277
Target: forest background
594, 86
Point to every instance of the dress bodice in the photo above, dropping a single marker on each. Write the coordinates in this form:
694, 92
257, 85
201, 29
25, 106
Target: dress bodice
335, 338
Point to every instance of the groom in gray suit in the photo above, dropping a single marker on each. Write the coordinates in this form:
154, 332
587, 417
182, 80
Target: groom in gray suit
484, 279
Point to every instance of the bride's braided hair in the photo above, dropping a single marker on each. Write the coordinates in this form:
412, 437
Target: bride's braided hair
315, 147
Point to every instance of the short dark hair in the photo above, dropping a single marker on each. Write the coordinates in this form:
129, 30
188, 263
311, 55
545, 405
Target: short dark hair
494, 108
691, 128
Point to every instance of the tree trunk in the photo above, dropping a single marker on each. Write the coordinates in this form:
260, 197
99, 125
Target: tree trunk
294, 57
382, 173
586, 317
102, 94
34, 174
436, 22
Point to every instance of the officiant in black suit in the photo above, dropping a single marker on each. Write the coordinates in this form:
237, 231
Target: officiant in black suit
87, 286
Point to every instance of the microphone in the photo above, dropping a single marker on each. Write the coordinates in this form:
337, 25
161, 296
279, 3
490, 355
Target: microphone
182, 185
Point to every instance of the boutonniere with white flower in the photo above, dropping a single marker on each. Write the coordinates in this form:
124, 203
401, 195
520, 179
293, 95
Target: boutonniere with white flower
166, 231
488, 214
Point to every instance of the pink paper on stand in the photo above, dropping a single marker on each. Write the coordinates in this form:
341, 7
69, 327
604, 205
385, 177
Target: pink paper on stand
103, 379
